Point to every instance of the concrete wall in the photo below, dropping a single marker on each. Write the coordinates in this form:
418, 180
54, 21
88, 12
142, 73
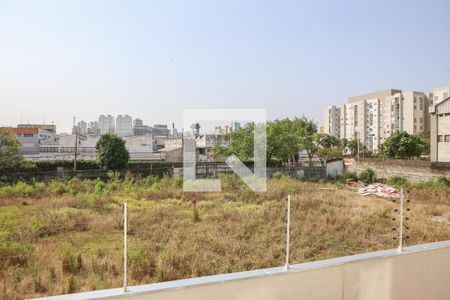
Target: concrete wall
443, 148
420, 272
413, 170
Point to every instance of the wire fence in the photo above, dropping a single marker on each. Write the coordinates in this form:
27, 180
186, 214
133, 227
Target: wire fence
264, 238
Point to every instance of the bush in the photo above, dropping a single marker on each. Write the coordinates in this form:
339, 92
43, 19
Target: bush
150, 180
396, 181
141, 264
71, 262
58, 187
14, 254
230, 182
368, 175
51, 222
442, 180
277, 175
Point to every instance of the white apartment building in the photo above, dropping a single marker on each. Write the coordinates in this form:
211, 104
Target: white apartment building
439, 94
124, 125
106, 124
334, 120
372, 118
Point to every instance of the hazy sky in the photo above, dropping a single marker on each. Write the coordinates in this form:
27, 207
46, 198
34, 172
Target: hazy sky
152, 59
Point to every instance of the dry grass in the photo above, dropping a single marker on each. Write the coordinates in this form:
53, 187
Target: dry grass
64, 242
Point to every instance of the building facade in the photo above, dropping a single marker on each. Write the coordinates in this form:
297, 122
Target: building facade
371, 118
440, 131
48, 127
31, 138
439, 94
124, 125
106, 124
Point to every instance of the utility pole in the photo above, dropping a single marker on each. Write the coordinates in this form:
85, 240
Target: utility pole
76, 146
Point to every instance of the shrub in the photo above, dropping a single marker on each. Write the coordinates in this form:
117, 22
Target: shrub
51, 222
368, 175
442, 180
71, 262
230, 182
150, 180
277, 175
58, 187
14, 254
396, 181
23, 189
141, 264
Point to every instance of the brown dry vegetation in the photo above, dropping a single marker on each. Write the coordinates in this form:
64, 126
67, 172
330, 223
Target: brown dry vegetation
65, 237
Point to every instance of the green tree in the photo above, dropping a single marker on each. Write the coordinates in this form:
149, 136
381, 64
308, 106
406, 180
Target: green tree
9, 150
111, 152
281, 140
284, 139
402, 145
240, 144
305, 131
328, 146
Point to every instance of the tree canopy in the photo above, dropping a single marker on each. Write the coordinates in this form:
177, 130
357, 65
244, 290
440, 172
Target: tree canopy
111, 153
9, 150
285, 138
403, 145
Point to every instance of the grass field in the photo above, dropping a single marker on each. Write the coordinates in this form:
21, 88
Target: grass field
64, 237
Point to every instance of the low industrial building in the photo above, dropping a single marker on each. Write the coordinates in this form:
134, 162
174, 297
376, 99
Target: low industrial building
31, 138
440, 132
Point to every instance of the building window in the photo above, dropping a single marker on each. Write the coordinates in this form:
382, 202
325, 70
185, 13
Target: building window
440, 138
445, 95
447, 138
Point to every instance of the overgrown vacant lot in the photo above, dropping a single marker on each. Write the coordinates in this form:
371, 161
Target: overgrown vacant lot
64, 237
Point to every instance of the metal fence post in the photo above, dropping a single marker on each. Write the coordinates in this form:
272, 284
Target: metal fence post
400, 229
125, 231
288, 224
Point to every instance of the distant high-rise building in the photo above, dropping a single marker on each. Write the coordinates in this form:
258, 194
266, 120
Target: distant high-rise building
93, 128
218, 130
195, 129
106, 124
235, 126
80, 129
373, 117
124, 125
174, 130
160, 130
227, 129
138, 122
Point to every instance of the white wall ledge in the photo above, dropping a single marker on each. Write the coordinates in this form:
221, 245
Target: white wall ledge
223, 278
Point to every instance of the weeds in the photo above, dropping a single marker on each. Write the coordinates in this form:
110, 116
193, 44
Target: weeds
70, 235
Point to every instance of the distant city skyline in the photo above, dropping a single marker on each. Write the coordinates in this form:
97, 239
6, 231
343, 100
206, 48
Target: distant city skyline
151, 59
